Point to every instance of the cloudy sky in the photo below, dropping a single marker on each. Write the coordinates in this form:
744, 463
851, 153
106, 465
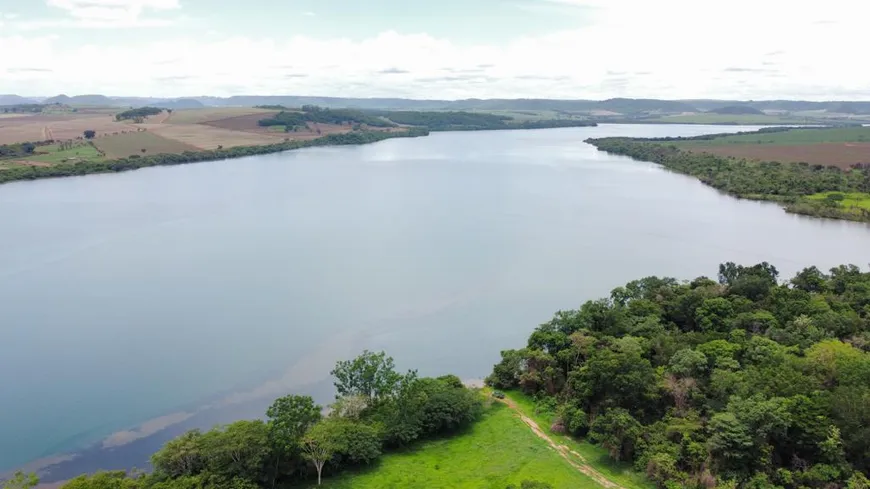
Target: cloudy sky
450, 49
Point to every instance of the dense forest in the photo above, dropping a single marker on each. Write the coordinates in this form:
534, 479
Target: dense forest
782, 182
737, 382
312, 113
376, 410
140, 113
24, 172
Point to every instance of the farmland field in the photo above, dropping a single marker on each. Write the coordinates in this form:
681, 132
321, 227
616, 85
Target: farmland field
132, 143
198, 116
841, 147
208, 137
53, 154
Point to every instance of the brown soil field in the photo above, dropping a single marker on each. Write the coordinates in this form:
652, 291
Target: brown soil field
132, 143
208, 137
248, 122
843, 155
57, 126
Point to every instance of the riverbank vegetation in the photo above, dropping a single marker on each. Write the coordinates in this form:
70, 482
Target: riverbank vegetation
32, 172
741, 381
378, 410
796, 185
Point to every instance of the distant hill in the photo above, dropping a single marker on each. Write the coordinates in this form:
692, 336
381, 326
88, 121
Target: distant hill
634, 106
851, 108
9, 99
181, 103
737, 110
628, 107
80, 100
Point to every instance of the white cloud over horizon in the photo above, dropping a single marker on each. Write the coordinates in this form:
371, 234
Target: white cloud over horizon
626, 48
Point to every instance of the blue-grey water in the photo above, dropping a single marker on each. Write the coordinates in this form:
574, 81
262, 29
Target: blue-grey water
130, 296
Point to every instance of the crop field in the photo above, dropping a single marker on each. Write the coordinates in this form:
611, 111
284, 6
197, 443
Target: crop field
132, 143
199, 116
207, 137
247, 122
843, 147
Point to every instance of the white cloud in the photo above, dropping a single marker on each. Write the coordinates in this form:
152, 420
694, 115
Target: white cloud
666, 49
106, 14
309, 14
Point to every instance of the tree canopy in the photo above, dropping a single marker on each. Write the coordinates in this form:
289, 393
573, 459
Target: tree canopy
743, 381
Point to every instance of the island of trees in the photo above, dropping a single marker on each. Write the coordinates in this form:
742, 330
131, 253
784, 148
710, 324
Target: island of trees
736, 382
138, 114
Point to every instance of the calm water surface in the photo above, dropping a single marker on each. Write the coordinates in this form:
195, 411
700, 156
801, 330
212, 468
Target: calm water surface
126, 297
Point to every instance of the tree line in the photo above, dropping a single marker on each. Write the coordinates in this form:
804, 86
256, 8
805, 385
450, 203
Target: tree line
472, 121
314, 114
25, 172
738, 382
377, 410
787, 183
139, 113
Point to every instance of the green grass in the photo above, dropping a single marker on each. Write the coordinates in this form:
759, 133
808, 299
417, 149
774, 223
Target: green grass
792, 137
496, 451
731, 119
854, 199
597, 457
54, 155
277, 129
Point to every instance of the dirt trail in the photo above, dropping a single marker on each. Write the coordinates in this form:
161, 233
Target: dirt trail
575, 459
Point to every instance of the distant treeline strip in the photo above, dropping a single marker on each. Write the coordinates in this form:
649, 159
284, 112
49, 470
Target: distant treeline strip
141, 112
787, 183
474, 121
18, 173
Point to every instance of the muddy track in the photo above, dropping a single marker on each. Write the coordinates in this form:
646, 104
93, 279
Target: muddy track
575, 459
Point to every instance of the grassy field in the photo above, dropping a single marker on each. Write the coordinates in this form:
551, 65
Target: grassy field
794, 136
731, 119
53, 154
850, 200
597, 457
132, 143
497, 451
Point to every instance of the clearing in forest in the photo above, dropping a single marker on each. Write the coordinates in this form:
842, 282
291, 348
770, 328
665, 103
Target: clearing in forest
495, 452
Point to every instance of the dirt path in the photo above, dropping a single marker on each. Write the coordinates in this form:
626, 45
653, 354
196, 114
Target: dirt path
575, 459
46, 134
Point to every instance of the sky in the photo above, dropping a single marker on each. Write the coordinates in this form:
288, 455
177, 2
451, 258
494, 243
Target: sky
438, 49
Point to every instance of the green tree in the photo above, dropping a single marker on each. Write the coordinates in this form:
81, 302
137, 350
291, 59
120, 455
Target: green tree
20, 480
617, 431
90, 134
372, 375
290, 417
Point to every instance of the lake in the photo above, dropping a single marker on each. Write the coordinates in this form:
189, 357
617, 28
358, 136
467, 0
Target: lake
189, 289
